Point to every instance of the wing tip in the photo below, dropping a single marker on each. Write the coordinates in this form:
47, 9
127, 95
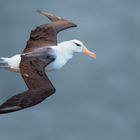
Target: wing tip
53, 17
39, 11
74, 25
4, 110
50, 16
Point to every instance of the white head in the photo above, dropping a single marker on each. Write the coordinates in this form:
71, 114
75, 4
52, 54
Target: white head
78, 46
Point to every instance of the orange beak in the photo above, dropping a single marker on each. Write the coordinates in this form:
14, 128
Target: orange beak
89, 53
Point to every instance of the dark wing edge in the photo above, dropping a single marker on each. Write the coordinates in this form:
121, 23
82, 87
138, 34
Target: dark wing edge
24, 100
40, 87
46, 34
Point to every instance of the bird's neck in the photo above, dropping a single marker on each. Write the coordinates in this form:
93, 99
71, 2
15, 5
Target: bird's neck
66, 50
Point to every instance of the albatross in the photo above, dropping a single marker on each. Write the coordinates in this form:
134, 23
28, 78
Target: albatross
41, 54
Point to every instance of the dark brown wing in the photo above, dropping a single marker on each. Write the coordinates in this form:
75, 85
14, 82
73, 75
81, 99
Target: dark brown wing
32, 68
46, 34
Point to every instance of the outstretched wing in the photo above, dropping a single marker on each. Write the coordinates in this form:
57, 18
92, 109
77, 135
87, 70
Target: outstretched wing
39, 86
32, 68
46, 34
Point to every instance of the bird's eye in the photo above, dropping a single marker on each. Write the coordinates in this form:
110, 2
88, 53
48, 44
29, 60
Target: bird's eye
77, 44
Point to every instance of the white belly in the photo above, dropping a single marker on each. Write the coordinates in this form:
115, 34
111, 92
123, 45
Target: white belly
58, 63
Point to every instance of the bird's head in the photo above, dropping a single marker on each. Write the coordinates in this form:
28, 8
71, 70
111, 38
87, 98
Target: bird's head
78, 46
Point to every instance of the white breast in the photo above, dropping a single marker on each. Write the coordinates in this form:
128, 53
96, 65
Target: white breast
56, 64
59, 62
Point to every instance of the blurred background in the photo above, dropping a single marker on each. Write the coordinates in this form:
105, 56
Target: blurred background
95, 99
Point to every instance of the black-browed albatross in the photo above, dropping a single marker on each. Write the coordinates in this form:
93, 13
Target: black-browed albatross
42, 53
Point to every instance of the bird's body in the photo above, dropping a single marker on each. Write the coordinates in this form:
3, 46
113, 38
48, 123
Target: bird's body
41, 53
63, 52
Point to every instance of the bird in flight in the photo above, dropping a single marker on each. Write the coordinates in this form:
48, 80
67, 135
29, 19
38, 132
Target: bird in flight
41, 54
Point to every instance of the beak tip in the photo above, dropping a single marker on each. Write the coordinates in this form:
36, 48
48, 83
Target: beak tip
95, 56
89, 53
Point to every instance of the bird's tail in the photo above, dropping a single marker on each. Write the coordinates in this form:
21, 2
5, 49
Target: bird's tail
3, 63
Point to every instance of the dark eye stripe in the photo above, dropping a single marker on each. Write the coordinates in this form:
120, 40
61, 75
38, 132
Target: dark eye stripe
77, 44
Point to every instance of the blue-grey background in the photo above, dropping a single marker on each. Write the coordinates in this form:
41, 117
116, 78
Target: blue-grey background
95, 99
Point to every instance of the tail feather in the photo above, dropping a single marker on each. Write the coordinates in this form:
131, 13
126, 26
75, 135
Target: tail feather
3, 63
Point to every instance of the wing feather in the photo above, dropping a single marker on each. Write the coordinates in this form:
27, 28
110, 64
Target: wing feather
39, 86
32, 69
46, 34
